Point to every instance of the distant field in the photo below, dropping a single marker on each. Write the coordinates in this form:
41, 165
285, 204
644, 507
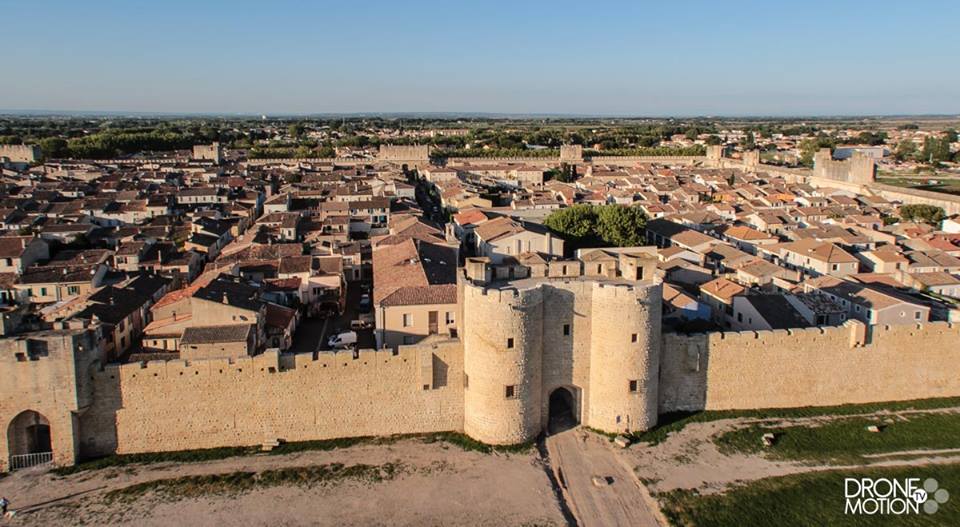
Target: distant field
809, 499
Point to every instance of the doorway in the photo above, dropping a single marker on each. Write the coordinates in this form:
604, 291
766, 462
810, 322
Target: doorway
562, 411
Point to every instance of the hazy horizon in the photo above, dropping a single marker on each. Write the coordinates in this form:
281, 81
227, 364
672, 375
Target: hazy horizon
621, 59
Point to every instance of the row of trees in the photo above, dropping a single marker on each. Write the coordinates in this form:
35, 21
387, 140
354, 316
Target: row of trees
598, 225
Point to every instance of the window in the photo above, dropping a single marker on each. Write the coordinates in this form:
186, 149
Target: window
43, 291
566, 329
834, 267
739, 317
407, 320
903, 314
449, 317
916, 315
510, 343
466, 380
408, 339
634, 385
599, 268
633, 337
511, 391
857, 308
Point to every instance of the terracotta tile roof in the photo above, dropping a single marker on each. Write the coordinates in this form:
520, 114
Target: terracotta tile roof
411, 264
722, 288
470, 216
279, 316
822, 251
420, 295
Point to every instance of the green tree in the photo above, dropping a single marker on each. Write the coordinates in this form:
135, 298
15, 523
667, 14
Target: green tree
295, 130
809, 147
621, 226
750, 142
871, 138
576, 223
598, 226
925, 213
54, 147
936, 150
906, 149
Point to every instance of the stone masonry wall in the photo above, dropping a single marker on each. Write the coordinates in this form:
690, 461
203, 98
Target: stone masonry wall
809, 367
180, 405
625, 347
493, 317
46, 373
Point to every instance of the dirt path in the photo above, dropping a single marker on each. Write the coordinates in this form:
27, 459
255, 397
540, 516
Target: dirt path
600, 490
444, 485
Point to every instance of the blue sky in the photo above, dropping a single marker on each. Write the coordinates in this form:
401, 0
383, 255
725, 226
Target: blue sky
604, 58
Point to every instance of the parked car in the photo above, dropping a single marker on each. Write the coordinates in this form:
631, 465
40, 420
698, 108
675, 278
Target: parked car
365, 303
342, 340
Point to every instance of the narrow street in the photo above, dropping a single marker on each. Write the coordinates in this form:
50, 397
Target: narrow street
597, 486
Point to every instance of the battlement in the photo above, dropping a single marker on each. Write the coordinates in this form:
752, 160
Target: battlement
272, 362
852, 334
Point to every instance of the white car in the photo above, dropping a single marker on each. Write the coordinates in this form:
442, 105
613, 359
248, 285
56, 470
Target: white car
342, 340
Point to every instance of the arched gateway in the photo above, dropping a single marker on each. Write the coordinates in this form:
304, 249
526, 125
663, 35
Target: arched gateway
563, 413
29, 440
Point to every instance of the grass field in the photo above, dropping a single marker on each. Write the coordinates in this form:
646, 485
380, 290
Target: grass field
946, 186
245, 481
806, 500
847, 440
675, 421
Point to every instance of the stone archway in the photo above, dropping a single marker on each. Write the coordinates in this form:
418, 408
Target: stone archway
562, 411
29, 440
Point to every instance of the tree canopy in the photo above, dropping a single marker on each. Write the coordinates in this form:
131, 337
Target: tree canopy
598, 225
925, 213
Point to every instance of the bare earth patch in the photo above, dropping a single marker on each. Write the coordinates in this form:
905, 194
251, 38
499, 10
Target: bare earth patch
690, 459
404, 483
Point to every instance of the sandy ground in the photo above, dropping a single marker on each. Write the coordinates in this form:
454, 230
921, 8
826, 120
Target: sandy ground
600, 490
689, 459
444, 485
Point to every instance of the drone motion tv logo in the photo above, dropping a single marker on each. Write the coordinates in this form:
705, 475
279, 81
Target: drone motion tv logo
871, 496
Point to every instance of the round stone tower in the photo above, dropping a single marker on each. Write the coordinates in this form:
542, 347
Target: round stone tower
503, 349
624, 356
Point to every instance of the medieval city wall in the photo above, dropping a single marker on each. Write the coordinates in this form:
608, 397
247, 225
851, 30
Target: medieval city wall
20, 153
827, 366
911, 196
180, 405
45, 374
